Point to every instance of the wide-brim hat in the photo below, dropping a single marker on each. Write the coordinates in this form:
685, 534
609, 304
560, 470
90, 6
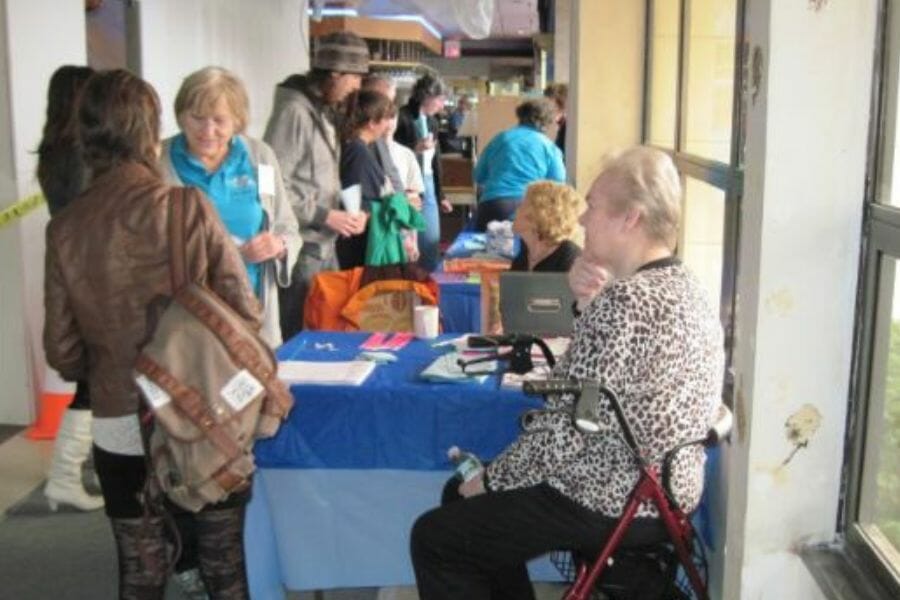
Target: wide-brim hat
343, 52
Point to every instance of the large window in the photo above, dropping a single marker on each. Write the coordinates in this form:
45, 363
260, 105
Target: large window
871, 519
689, 112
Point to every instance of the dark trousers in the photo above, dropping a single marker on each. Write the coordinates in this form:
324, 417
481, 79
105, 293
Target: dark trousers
500, 209
476, 548
292, 298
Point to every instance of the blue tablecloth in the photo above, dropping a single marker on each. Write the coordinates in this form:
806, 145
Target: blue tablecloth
395, 420
340, 486
460, 306
345, 478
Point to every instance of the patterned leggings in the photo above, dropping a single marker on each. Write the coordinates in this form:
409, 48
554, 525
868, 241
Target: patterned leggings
144, 544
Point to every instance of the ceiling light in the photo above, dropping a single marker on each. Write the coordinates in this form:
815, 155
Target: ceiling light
416, 19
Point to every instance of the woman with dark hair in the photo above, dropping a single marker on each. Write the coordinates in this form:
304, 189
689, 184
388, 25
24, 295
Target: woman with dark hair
515, 158
61, 175
417, 129
368, 117
107, 279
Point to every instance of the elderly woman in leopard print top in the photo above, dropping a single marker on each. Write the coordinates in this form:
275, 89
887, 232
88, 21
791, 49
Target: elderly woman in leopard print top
646, 330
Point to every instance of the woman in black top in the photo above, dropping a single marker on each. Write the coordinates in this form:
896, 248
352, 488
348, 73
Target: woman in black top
545, 222
368, 118
61, 175
417, 129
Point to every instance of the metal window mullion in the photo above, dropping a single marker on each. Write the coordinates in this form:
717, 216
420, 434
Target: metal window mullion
681, 87
649, 29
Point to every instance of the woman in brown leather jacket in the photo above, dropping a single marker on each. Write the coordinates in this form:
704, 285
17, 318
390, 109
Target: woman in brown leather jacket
106, 276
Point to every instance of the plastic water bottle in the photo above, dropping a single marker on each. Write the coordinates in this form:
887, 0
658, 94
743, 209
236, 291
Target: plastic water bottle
468, 467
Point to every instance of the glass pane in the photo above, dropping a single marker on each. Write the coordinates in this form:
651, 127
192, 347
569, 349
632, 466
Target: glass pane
710, 78
663, 77
701, 241
880, 496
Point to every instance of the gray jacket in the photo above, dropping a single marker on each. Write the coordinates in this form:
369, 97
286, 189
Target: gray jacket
308, 149
279, 219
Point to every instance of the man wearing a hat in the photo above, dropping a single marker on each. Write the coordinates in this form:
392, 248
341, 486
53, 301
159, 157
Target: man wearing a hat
303, 133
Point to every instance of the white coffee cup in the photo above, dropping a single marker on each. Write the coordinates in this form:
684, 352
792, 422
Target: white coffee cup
425, 321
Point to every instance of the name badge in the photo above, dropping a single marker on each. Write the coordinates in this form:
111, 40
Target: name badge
266, 180
156, 396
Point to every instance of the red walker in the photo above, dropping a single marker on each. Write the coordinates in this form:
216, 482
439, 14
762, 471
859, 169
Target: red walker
650, 487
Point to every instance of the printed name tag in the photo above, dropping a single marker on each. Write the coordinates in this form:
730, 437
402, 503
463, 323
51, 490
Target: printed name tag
241, 390
266, 180
155, 395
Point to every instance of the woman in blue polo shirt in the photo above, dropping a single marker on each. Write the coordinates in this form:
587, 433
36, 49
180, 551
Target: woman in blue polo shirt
514, 159
241, 178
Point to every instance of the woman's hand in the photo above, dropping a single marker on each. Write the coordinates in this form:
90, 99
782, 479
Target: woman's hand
473, 487
262, 247
410, 244
345, 223
414, 199
586, 280
426, 143
446, 206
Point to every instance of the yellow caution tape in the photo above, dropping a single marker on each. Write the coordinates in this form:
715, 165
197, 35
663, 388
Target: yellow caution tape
20, 209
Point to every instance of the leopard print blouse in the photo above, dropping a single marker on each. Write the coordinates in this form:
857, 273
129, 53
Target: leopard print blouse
655, 340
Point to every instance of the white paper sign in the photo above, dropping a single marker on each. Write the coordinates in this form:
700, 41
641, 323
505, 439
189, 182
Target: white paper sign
266, 180
155, 395
352, 198
241, 390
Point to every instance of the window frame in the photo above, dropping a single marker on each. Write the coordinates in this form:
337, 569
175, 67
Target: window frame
875, 296
727, 177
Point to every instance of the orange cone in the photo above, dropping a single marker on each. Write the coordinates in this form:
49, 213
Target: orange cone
55, 399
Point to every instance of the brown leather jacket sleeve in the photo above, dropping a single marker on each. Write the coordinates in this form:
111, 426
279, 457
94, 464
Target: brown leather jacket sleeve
63, 345
226, 274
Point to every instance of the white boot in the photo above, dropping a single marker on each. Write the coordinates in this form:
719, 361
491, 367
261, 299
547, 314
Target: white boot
73, 444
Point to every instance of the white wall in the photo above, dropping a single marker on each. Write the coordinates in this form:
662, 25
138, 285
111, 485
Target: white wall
807, 126
262, 42
37, 37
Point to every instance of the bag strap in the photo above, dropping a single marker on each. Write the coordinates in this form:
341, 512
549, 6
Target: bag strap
279, 400
177, 241
191, 405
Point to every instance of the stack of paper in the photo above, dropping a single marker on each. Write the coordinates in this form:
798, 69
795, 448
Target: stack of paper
351, 372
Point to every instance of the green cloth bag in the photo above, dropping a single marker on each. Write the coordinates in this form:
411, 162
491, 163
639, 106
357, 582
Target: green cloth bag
389, 215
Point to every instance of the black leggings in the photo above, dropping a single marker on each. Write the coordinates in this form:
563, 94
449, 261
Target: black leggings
82, 399
476, 548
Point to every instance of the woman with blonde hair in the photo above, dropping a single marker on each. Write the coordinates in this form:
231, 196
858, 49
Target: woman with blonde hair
241, 177
546, 221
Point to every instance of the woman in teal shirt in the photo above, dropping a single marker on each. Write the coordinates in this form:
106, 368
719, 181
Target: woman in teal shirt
515, 158
241, 178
